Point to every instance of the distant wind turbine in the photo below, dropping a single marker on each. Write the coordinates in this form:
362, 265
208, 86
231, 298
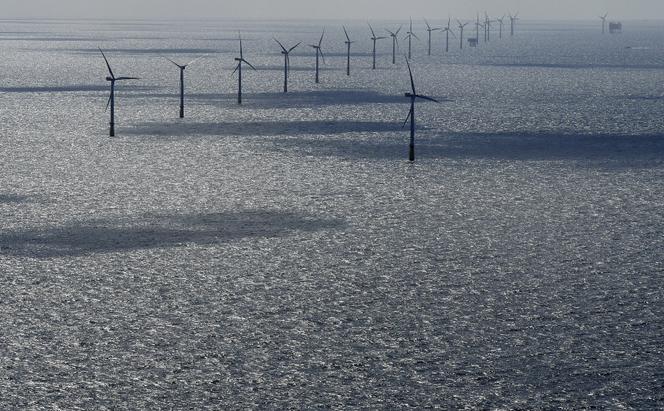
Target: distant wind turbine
501, 22
374, 39
513, 20
238, 70
319, 54
286, 53
409, 36
603, 18
430, 30
411, 114
395, 43
348, 43
182, 68
487, 27
477, 28
461, 27
111, 100
448, 31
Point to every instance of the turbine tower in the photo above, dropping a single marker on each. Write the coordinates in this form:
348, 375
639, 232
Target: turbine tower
374, 39
461, 27
182, 68
448, 31
409, 36
238, 69
286, 53
411, 114
603, 18
395, 43
348, 43
111, 99
319, 54
429, 30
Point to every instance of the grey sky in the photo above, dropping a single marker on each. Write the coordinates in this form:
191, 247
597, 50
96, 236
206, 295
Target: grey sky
333, 9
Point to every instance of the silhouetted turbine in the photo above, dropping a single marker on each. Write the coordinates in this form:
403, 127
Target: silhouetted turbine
319, 53
411, 114
374, 39
603, 18
238, 70
348, 43
501, 22
461, 27
409, 36
182, 68
448, 31
395, 43
430, 30
286, 53
513, 20
111, 100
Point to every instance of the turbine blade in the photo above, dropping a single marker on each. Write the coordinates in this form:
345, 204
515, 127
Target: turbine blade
128, 78
107, 63
373, 34
281, 45
397, 32
410, 113
108, 103
294, 47
249, 64
414, 35
346, 33
236, 69
428, 98
322, 55
320, 42
427, 23
410, 72
194, 60
171, 61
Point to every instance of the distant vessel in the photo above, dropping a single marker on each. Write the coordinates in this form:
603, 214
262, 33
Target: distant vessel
472, 42
615, 27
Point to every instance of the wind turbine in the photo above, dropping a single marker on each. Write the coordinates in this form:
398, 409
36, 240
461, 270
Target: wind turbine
319, 53
603, 18
501, 21
348, 43
409, 36
429, 30
447, 31
513, 20
477, 28
395, 43
461, 27
374, 39
286, 53
238, 69
182, 68
111, 100
487, 27
411, 114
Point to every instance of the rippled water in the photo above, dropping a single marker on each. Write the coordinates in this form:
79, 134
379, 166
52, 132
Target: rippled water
284, 253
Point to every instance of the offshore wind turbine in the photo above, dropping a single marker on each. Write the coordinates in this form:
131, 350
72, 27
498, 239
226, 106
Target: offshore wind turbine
319, 54
111, 99
411, 114
395, 43
374, 39
182, 68
238, 70
348, 43
447, 31
513, 20
487, 27
409, 36
461, 27
603, 18
501, 22
430, 30
286, 53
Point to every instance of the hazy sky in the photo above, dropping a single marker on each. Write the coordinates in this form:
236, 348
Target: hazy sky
359, 9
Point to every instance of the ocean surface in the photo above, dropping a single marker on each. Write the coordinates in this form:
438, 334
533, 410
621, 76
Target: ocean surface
284, 254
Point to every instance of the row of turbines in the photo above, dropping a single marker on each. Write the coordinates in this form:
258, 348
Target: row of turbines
318, 47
